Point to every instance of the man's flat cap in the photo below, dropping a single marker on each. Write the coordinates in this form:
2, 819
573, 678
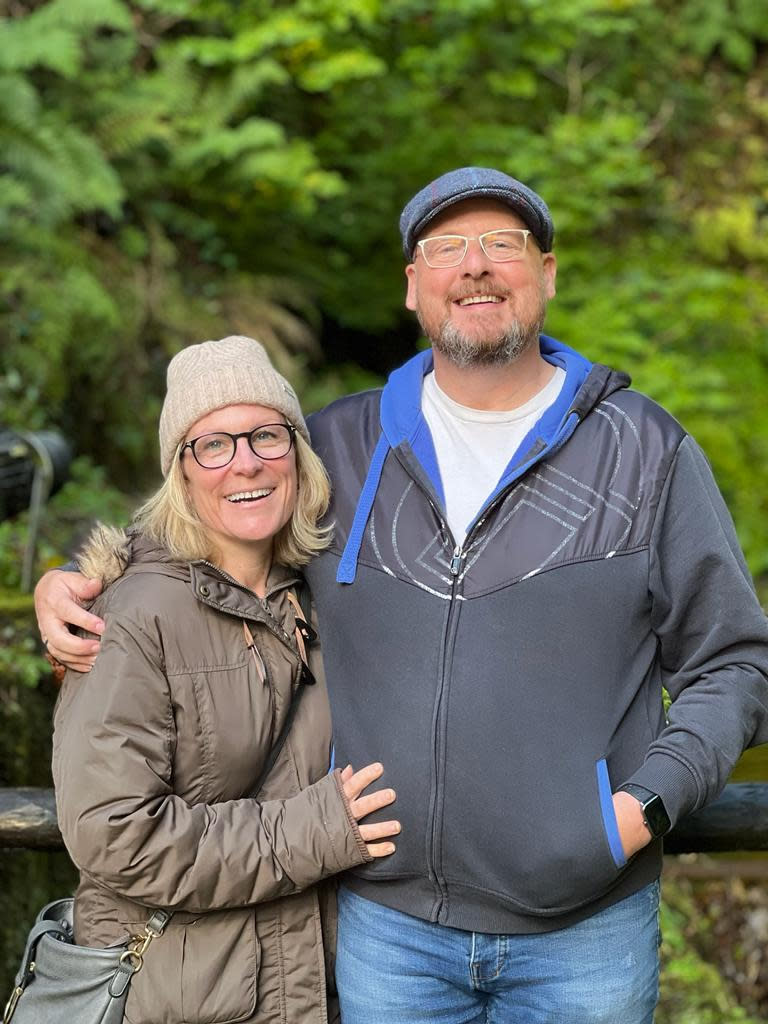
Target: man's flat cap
475, 183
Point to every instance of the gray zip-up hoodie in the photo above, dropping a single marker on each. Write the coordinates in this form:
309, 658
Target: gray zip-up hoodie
510, 684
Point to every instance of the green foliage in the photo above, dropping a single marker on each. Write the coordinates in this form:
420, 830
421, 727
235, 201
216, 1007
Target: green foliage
693, 990
21, 662
174, 170
168, 166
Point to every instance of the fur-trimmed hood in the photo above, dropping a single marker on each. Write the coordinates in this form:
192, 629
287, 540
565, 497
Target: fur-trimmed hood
110, 552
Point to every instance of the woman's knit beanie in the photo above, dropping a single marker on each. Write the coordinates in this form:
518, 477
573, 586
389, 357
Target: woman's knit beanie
233, 371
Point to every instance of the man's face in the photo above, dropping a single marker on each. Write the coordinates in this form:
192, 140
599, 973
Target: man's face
512, 296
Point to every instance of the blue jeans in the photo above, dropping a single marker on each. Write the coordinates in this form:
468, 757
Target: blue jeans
392, 968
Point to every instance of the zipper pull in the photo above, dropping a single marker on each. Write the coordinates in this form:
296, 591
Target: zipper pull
458, 554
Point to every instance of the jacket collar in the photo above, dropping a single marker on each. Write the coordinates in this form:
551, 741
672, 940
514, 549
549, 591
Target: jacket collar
214, 587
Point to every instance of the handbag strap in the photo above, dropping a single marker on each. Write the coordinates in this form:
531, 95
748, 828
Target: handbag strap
132, 960
58, 929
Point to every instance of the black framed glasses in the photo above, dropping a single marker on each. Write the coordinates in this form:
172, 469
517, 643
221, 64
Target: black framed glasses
269, 441
500, 246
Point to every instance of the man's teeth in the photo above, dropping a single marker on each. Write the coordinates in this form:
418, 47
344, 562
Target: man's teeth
470, 300
249, 495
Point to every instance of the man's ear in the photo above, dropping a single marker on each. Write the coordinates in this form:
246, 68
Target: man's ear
410, 295
549, 272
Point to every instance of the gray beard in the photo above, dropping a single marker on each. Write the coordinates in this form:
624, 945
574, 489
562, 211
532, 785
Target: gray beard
464, 351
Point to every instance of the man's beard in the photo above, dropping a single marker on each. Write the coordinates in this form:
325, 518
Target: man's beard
464, 351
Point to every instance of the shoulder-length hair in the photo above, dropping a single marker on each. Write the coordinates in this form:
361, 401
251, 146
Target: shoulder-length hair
169, 516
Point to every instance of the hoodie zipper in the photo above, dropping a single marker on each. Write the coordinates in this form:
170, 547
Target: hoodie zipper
438, 730
434, 852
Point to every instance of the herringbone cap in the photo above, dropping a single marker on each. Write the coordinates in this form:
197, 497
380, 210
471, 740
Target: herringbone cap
475, 183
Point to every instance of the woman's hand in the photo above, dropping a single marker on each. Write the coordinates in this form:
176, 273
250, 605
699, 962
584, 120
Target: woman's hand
353, 784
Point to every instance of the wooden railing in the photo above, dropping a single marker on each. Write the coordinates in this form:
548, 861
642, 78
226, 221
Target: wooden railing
737, 820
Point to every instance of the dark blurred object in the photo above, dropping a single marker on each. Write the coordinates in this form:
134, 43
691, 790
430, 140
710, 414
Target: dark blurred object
25, 456
33, 466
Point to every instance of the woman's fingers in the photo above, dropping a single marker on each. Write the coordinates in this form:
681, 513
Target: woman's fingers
379, 830
360, 806
356, 782
380, 849
371, 802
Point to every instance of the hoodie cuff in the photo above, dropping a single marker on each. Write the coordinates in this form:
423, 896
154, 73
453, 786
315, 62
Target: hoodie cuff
673, 781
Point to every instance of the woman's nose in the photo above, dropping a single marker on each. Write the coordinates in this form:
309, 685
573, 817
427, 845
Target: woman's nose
245, 459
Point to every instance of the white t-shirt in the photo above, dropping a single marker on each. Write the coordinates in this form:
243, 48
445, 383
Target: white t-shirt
473, 446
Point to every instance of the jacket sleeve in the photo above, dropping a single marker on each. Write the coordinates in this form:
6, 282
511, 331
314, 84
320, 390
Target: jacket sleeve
713, 641
123, 825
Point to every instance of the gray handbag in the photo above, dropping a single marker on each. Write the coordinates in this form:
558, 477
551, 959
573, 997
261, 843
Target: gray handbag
60, 982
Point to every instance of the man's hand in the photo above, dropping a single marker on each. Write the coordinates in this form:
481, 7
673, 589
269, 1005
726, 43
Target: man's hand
59, 598
633, 831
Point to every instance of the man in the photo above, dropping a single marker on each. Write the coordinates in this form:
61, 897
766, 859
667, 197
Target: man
525, 553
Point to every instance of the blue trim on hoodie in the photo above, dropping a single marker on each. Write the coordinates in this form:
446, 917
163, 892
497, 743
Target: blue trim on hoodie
348, 565
554, 421
402, 422
609, 814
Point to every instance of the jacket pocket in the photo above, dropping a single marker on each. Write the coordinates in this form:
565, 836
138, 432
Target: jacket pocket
202, 970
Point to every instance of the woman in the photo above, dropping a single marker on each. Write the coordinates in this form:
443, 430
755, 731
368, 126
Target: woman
158, 750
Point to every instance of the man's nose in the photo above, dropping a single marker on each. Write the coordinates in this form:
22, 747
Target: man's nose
475, 262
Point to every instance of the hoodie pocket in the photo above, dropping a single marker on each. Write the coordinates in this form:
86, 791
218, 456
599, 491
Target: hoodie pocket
608, 813
551, 846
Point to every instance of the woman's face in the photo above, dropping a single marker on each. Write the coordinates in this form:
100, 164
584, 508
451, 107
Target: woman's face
245, 503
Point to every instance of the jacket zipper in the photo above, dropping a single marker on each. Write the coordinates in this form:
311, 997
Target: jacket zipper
270, 622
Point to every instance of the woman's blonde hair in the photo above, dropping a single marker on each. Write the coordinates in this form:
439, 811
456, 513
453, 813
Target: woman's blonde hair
169, 516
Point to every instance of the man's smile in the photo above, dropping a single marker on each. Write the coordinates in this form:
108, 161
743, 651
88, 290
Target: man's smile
472, 300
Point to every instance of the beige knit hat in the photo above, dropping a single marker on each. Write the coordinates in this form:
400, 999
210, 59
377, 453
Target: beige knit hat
233, 371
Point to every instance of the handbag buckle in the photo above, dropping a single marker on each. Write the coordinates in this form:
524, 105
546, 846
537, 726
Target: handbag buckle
134, 955
10, 1006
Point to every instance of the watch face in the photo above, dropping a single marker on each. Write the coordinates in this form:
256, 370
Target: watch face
656, 816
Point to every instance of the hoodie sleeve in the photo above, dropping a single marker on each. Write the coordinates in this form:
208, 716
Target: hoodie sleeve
713, 641
123, 825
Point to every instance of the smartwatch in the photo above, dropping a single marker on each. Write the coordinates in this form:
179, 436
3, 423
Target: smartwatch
654, 812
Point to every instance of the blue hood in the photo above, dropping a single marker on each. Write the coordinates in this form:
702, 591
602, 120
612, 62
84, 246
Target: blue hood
402, 422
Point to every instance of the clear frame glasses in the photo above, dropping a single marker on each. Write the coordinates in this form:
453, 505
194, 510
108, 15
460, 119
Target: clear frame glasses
269, 441
500, 246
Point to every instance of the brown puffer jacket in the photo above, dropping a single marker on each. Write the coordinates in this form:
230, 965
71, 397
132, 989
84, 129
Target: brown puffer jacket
155, 751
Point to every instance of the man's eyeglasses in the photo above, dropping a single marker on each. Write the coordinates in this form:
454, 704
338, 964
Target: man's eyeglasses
499, 246
269, 441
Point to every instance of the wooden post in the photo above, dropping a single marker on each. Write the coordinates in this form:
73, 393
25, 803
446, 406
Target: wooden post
28, 820
737, 820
